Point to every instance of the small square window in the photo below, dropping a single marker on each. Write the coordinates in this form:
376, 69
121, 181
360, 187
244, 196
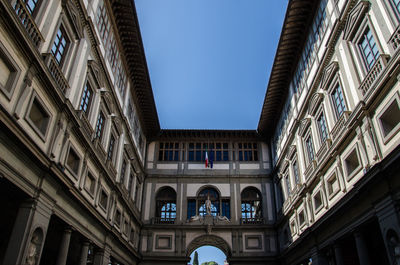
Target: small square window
90, 183
38, 117
390, 119
302, 218
8, 73
132, 235
332, 185
117, 219
126, 227
103, 200
352, 163
73, 161
317, 201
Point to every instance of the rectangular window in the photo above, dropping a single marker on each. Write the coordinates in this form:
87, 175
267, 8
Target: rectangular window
31, 5
338, 101
86, 99
39, 117
117, 219
288, 186
103, 200
169, 151
103, 23
123, 170
226, 209
248, 152
296, 172
73, 161
191, 208
323, 131
310, 149
130, 180
90, 183
368, 48
99, 125
60, 45
111, 148
396, 5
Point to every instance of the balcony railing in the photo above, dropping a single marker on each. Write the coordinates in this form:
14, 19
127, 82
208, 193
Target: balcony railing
337, 129
252, 221
310, 168
161, 220
323, 149
395, 39
28, 22
56, 72
374, 73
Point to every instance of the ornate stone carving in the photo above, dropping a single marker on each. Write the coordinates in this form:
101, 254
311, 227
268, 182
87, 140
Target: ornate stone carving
355, 18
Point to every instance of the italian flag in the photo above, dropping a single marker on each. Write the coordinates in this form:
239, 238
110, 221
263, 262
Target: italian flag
206, 158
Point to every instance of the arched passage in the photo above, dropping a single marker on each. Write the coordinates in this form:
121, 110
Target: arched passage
210, 240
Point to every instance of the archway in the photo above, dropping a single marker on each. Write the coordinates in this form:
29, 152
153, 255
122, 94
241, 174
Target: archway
211, 241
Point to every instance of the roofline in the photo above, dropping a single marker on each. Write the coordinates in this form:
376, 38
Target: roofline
127, 23
299, 15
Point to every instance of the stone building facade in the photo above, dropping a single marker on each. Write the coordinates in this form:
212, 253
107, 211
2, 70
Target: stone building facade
88, 176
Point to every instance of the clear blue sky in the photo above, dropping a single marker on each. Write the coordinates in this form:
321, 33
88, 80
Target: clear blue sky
209, 60
209, 253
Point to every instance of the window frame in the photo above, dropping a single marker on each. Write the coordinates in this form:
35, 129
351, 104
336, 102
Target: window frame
87, 112
322, 132
66, 165
386, 138
42, 135
361, 63
335, 84
61, 27
15, 72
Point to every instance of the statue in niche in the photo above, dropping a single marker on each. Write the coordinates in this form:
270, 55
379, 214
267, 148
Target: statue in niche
208, 206
33, 250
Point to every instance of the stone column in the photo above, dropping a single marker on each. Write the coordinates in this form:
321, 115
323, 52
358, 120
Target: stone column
361, 248
84, 253
338, 254
317, 257
19, 234
102, 257
64, 246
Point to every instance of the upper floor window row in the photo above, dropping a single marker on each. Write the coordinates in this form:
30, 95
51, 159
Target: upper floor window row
111, 46
216, 151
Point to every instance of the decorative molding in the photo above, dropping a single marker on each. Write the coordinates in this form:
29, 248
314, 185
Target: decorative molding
211, 240
328, 74
315, 102
74, 17
354, 20
291, 151
97, 73
304, 124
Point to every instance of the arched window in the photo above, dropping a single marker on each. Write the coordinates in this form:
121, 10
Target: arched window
213, 196
166, 205
251, 206
219, 206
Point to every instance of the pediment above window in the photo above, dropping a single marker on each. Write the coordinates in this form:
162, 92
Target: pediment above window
328, 74
354, 19
291, 151
129, 151
96, 71
74, 18
315, 102
304, 124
